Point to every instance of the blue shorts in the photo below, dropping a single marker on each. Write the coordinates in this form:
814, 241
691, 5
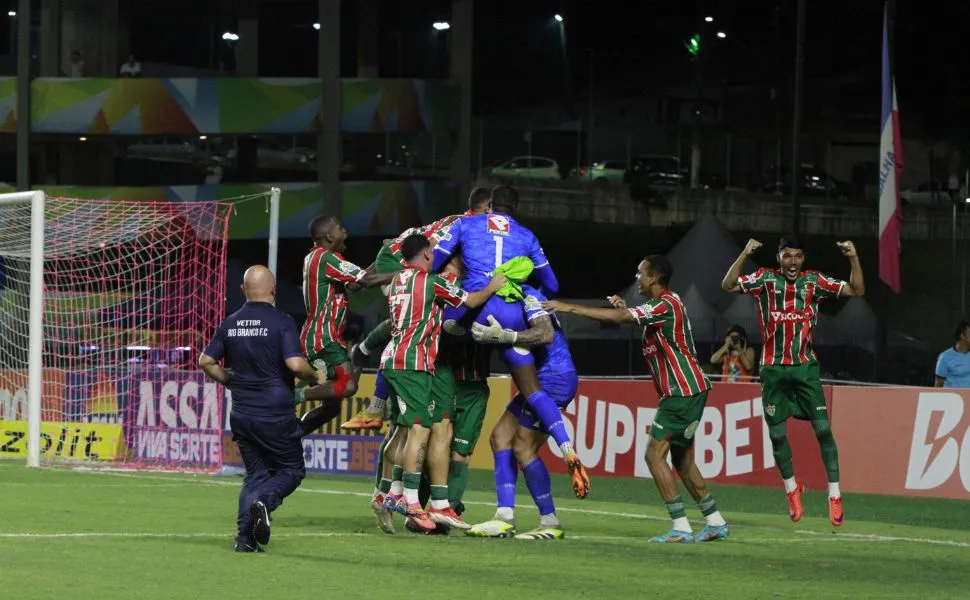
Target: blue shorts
509, 314
560, 386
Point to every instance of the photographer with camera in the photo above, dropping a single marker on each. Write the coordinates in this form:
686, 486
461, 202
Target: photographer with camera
735, 357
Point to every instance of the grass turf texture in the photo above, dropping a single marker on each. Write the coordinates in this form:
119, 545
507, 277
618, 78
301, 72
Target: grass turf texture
149, 535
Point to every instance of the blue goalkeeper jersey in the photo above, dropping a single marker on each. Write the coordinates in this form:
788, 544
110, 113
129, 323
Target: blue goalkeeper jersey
554, 357
486, 241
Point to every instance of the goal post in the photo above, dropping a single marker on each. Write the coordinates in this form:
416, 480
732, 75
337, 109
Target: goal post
105, 306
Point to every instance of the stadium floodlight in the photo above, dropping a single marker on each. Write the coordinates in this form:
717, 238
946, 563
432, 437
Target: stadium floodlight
558, 18
316, 26
88, 286
708, 19
721, 35
441, 25
230, 36
11, 13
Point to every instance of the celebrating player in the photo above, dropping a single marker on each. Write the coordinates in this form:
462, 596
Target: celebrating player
682, 386
788, 299
486, 242
519, 431
425, 402
327, 277
390, 260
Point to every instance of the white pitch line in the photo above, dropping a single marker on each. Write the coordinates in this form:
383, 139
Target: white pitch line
143, 535
604, 513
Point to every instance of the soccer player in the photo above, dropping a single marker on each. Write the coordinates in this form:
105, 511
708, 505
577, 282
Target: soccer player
390, 260
257, 341
788, 300
668, 347
425, 400
519, 431
485, 242
327, 277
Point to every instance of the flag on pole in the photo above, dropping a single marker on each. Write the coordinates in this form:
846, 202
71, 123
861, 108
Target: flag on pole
890, 168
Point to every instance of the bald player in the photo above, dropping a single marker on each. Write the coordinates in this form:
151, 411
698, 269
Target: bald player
261, 344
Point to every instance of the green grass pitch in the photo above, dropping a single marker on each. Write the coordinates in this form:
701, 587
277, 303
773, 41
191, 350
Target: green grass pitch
77, 534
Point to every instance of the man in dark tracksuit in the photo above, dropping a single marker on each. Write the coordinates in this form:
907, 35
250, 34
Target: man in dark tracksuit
261, 345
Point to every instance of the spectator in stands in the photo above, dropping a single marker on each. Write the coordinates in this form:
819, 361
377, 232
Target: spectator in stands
132, 68
77, 65
953, 365
735, 357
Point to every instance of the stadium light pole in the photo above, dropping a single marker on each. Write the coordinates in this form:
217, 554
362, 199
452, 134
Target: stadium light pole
796, 133
23, 95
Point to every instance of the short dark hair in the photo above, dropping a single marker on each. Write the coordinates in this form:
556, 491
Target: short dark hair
738, 330
478, 198
505, 198
961, 327
318, 227
414, 245
658, 265
790, 242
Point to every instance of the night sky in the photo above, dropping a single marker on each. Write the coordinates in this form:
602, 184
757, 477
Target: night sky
518, 57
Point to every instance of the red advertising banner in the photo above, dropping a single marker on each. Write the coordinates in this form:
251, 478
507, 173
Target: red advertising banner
610, 422
904, 441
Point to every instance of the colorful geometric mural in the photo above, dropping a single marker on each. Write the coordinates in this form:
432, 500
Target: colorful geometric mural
175, 106
398, 105
368, 208
230, 105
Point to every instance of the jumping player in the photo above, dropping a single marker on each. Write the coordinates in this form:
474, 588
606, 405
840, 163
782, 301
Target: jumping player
519, 431
485, 242
682, 387
327, 277
788, 300
390, 260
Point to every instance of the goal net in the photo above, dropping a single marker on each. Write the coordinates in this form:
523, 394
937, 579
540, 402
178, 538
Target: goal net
98, 343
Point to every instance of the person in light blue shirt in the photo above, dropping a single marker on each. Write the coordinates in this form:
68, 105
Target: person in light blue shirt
953, 365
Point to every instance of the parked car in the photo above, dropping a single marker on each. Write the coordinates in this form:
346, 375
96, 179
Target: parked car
932, 193
604, 171
815, 182
527, 167
646, 175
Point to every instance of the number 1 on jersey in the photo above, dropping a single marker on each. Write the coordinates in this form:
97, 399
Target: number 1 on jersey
498, 249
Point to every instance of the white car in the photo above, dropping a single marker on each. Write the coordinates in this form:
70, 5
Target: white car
527, 167
927, 194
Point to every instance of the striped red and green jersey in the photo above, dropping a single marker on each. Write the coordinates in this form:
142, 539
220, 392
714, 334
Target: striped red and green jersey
325, 276
416, 301
434, 232
789, 312
668, 347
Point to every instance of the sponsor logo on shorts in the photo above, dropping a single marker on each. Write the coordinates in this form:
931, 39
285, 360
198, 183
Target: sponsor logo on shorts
401, 405
520, 350
821, 408
691, 429
770, 409
657, 425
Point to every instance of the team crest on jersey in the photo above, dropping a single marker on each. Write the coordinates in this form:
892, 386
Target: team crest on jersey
691, 430
803, 293
345, 267
498, 224
770, 409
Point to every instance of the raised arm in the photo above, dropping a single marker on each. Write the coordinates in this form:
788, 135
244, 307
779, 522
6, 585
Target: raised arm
730, 282
856, 285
